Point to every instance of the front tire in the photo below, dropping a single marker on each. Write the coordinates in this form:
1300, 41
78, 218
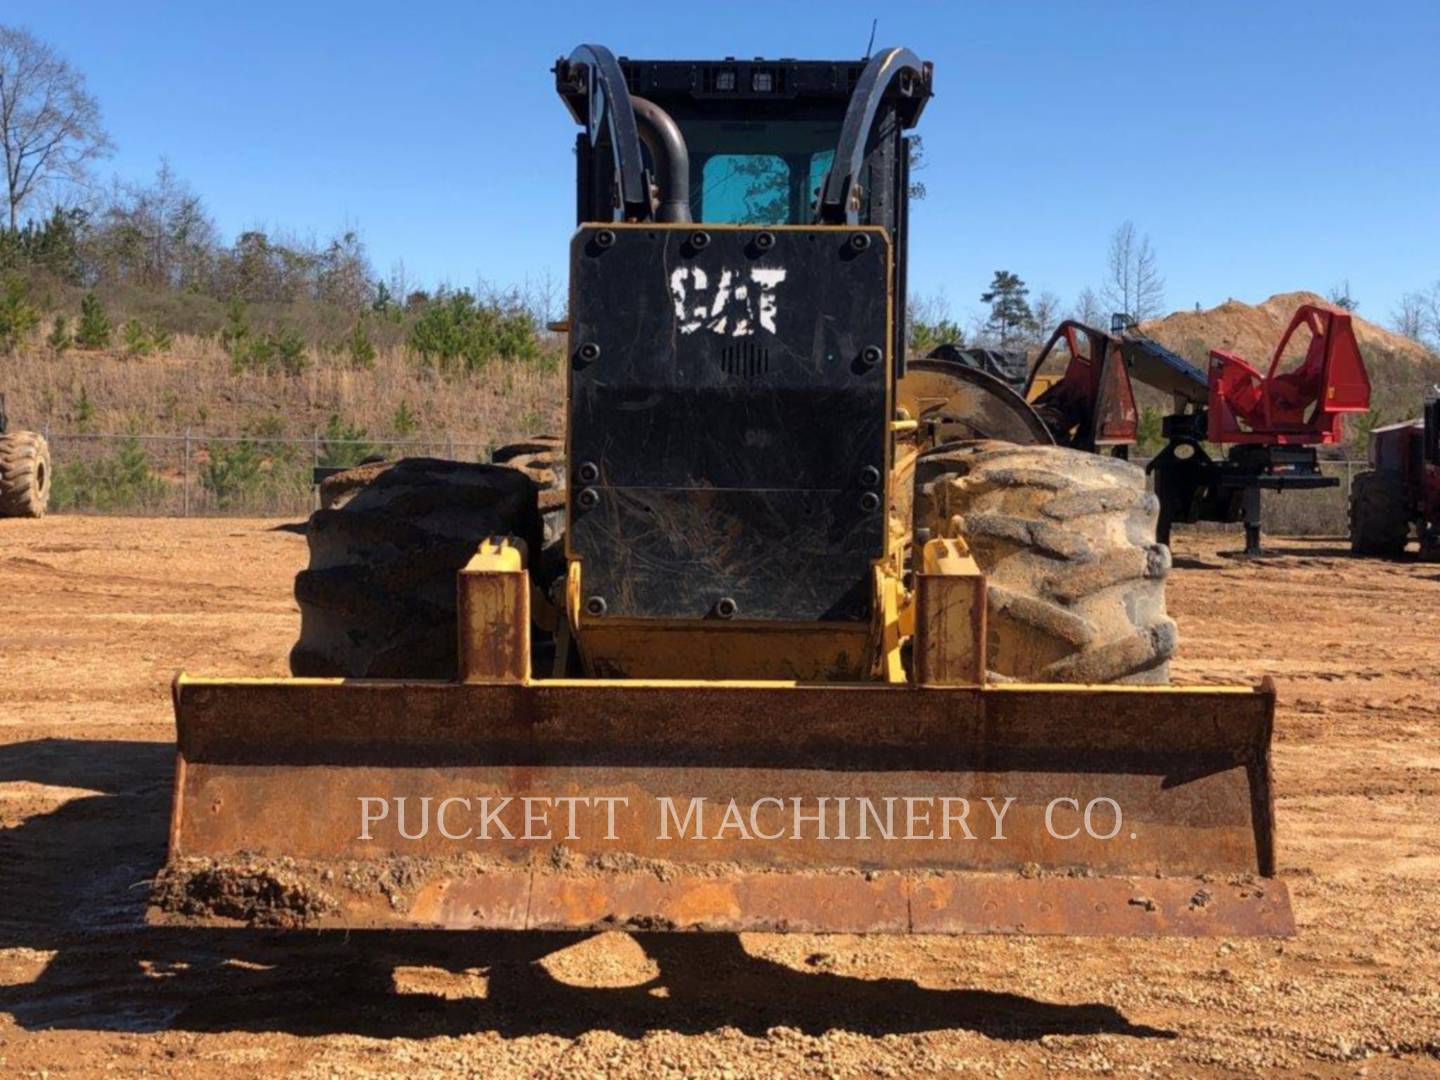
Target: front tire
24, 475
1066, 540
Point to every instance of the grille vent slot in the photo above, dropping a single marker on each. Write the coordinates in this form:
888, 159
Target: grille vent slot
745, 361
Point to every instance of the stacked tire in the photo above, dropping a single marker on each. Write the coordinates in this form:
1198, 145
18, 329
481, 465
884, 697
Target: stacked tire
542, 458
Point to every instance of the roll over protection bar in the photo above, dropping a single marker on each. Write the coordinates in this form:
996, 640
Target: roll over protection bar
836, 206
610, 109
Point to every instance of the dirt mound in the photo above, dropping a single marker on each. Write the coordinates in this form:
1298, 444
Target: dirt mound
1254, 330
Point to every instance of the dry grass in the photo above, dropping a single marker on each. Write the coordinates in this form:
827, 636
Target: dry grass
192, 387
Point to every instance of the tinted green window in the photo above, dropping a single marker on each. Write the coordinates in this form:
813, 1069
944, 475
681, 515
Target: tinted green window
746, 189
757, 172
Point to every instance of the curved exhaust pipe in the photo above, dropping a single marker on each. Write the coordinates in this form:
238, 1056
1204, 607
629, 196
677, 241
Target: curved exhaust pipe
661, 135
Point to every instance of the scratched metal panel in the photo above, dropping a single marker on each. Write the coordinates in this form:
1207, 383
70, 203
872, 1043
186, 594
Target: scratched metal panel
726, 420
277, 780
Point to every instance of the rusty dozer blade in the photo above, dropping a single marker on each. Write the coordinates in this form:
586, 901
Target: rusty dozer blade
723, 806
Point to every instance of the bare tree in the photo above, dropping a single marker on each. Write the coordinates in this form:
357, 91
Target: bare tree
1089, 310
917, 162
1339, 295
1045, 310
155, 234
1134, 286
1430, 317
1409, 316
343, 272
49, 123
929, 322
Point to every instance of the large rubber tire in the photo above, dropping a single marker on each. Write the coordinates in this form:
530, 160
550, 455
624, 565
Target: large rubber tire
1379, 514
542, 458
1066, 540
24, 475
379, 597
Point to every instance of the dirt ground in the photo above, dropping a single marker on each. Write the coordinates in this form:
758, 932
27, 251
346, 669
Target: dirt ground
97, 614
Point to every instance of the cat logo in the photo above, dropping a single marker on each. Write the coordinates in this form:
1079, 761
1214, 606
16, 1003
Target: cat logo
740, 301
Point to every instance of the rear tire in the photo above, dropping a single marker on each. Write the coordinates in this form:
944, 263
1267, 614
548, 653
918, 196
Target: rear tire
542, 458
24, 475
1066, 539
378, 599
1379, 514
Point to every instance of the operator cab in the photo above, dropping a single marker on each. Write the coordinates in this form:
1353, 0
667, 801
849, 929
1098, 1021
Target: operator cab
736, 324
759, 137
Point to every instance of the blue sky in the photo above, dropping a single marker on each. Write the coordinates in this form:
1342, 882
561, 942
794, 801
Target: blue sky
1263, 147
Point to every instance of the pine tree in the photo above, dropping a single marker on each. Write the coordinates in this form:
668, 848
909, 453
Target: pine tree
1009, 310
94, 329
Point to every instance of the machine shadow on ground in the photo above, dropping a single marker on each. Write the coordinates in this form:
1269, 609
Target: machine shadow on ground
76, 882
1229, 558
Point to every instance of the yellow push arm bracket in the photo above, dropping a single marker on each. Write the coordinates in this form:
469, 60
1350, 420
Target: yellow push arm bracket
949, 643
494, 609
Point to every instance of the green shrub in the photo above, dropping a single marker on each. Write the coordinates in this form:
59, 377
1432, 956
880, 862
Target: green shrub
253, 355
359, 349
84, 413
17, 316
270, 426
59, 338
1149, 435
136, 340
231, 471
139, 341
344, 445
926, 336
404, 423
282, 350
95, 329
122, 481
457, 329
235, 334
289, 350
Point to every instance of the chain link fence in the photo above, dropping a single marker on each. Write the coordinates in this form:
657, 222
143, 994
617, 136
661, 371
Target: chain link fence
1317, 512
195, 475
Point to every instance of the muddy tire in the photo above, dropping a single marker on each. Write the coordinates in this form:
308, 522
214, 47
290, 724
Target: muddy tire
1067, 543
24, 475
378, 599
1379, 514
337, 489
541, 458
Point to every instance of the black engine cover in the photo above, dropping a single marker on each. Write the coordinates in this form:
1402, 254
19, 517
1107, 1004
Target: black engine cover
728, 420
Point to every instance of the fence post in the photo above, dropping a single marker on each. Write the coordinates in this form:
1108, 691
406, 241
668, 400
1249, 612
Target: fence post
187, 472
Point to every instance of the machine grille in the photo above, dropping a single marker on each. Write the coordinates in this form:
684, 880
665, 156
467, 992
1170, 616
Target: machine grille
745, 361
